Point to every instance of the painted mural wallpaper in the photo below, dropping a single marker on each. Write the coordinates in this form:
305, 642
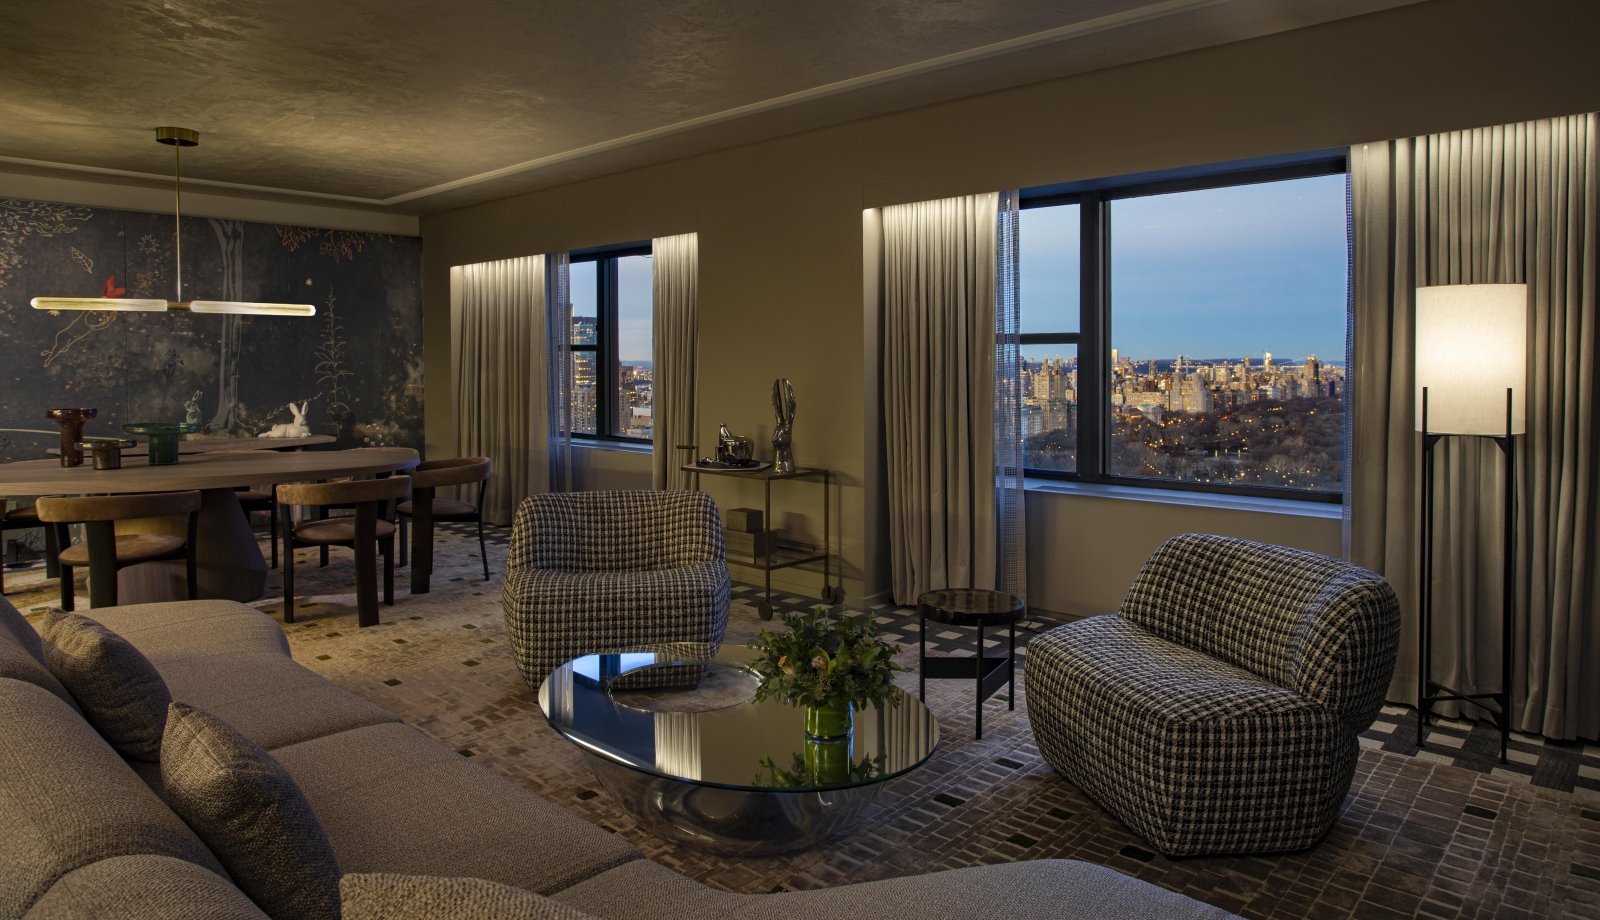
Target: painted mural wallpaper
353, 371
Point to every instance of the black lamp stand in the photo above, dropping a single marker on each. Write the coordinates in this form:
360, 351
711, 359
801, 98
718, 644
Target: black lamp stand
1429, 691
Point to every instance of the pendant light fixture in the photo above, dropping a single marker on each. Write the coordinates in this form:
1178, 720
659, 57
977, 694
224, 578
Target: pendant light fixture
177, 139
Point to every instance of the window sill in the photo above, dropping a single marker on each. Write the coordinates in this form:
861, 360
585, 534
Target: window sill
640, 447
1257, 504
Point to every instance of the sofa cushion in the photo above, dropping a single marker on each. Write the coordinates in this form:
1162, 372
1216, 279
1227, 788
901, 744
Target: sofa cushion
1058, 888
394, 800
251, 814
194, 627
22, 654
145, 886
382, 896
265, 695
121, 693
68, 800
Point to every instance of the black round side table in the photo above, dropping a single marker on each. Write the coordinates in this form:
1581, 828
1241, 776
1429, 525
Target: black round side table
982, 609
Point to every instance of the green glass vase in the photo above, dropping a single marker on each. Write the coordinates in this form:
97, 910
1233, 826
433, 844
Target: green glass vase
828, 720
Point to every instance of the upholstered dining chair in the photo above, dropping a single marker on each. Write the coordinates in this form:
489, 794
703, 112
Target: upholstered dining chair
1219, 711
106, 552
27, 519
426, 507
606, 571
365, 532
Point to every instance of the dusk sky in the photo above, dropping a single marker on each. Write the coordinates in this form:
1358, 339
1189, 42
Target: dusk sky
634, 324
1214, 273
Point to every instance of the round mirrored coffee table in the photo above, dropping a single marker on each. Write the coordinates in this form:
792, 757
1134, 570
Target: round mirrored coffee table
677, 738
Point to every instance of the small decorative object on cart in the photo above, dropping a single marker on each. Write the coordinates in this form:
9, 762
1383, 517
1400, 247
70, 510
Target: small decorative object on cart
744, 520
731, 448
826, 664
782, 432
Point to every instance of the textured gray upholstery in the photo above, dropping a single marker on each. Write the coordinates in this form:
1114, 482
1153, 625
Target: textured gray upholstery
67, 799
22, 655
119, 691
393, 800
268, 697
1219, 712
194, 628
1056, 888
147, 887
420, 897
604, 571
251, 814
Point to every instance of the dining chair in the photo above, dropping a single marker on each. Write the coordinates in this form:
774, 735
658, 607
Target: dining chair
27, 519
425, 507
106, 552
365, 532
253, 500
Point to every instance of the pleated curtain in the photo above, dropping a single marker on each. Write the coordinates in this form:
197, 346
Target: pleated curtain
674, 281
1507, 204
941, 353
511, 375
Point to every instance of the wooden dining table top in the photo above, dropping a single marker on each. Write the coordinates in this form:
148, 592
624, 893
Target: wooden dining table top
213, 470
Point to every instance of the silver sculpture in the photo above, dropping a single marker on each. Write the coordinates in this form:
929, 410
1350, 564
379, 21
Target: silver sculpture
783, 408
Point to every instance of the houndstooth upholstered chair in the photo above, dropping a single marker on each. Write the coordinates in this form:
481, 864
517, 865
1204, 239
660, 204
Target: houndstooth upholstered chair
605, 571
1219, 711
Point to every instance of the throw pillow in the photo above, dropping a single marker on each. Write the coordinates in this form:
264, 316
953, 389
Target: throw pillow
119, 691
251, 814
385, 896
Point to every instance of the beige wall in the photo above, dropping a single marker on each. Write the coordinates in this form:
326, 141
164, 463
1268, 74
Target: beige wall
782, 276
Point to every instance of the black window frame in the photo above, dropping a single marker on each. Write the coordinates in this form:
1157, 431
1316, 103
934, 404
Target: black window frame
1093, 338
607, 364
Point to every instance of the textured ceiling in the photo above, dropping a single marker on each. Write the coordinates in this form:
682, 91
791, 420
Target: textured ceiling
418, 105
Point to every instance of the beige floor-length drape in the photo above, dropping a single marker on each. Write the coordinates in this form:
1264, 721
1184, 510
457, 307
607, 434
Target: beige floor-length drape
938, 393
675, 286
501, 373
1513, 203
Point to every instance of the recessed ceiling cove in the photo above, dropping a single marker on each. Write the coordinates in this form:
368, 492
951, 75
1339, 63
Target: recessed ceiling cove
415, 106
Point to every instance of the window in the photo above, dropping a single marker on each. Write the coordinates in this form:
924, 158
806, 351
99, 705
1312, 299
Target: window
611, 343
1188, 330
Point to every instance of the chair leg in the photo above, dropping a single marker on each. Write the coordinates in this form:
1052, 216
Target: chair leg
55, 537
101, 537
387, 543
67, 599
404, 519
483, 548
288, 566
191, 567
272, 525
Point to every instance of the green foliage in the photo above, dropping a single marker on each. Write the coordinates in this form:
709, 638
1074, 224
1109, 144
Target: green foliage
821, 657
802, 775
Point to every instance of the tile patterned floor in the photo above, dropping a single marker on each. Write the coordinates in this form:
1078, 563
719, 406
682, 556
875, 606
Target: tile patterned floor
1431, 835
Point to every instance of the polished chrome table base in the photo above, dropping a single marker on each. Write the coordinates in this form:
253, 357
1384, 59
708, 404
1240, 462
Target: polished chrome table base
740, 822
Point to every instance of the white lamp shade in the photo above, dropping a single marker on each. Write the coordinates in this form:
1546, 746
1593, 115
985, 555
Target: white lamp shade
1472, 343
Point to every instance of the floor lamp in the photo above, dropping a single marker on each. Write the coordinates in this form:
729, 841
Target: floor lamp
1471, 369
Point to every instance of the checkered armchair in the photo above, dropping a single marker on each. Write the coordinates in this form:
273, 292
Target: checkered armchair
1219, 710
605, 571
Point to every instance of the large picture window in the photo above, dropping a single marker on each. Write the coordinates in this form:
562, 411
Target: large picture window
1189, 331
612, 384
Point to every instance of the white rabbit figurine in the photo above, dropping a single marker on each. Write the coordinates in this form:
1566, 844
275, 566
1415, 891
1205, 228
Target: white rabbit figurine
295, 429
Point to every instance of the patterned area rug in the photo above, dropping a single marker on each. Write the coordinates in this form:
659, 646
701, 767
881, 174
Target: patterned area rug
1447, 833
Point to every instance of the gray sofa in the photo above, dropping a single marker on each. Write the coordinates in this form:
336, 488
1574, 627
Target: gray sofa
82, 834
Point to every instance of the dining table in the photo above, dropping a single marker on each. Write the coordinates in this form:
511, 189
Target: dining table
229, 559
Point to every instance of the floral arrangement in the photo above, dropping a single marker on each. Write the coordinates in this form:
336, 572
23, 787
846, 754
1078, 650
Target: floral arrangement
821, 658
